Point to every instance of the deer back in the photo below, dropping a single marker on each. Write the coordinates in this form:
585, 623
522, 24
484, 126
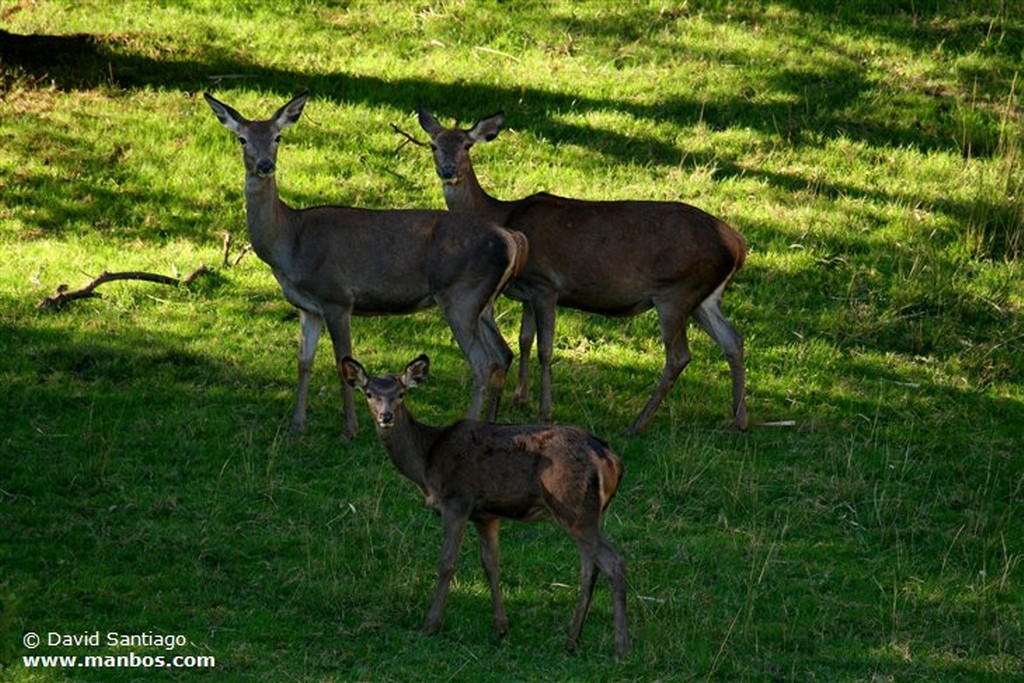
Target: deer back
523, 472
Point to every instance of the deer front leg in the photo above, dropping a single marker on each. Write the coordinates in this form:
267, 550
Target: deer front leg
454, 529
488, 531
310, 325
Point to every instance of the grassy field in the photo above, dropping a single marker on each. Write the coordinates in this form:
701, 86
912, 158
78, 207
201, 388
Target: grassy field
868, 526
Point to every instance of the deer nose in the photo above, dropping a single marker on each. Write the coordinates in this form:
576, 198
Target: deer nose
386, 419
446, 172
264, 167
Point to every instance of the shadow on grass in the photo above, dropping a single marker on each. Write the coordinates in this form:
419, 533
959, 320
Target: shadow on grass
825, 99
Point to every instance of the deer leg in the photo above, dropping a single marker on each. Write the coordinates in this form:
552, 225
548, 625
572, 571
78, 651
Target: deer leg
454, 528
588, 580
527, 331
501, 357
488, 531
545, 315
339, 325
709, 317
677, 357
597, 554
614, 569
310, 325
465, 328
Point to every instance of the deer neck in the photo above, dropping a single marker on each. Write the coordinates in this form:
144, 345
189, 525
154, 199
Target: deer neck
408, 442
268, 220
467, 196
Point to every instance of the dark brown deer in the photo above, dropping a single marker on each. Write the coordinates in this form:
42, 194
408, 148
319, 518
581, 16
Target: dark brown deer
483, 472
616, 258
333, 262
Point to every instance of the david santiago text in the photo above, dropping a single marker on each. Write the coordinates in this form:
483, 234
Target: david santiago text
165, 641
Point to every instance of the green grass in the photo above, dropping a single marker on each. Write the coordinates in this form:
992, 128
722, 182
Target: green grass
866, 528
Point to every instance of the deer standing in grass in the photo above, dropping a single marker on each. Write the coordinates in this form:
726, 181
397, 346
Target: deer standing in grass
333, 262
484, 472
616, 258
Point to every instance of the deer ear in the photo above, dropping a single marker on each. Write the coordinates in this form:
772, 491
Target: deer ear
228, 117
416, 372
428, 122
487, 129
353, 373
289, 113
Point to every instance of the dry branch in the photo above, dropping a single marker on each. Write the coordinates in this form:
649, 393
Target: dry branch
57, 300
408, 138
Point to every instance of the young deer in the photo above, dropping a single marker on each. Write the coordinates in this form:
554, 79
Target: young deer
483, 472
333, 262
616, 258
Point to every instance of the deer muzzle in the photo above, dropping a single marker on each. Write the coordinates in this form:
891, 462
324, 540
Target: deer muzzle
386, 420
264, 168
448, 174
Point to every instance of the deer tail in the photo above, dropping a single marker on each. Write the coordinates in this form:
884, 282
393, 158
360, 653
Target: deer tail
522, 252
608, 467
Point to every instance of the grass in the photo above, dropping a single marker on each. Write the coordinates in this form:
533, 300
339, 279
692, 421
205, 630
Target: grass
866, 528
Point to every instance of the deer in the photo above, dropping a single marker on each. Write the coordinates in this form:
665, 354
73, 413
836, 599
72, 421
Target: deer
614, 258
333, 262
482, 472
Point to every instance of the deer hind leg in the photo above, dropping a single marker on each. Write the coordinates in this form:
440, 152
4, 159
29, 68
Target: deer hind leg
465, 315
454, 529
596, 554
588, 581
709, 317
501, 355
488, 531
527, 331
677, 357
310, 325
544, 309
614, 569
339, 325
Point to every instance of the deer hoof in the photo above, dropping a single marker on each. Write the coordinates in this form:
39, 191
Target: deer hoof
501, 627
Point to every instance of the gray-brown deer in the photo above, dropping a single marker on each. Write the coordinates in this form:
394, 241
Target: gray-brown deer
333, 262
484, 472
616, 258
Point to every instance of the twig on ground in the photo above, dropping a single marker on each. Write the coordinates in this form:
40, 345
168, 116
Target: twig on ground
63, 295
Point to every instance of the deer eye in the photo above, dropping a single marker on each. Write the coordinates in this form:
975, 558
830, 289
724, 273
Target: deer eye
242, 140
277, 138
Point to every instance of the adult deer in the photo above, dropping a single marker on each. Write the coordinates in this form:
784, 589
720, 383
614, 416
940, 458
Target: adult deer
616, 258
333, 262
483, 472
